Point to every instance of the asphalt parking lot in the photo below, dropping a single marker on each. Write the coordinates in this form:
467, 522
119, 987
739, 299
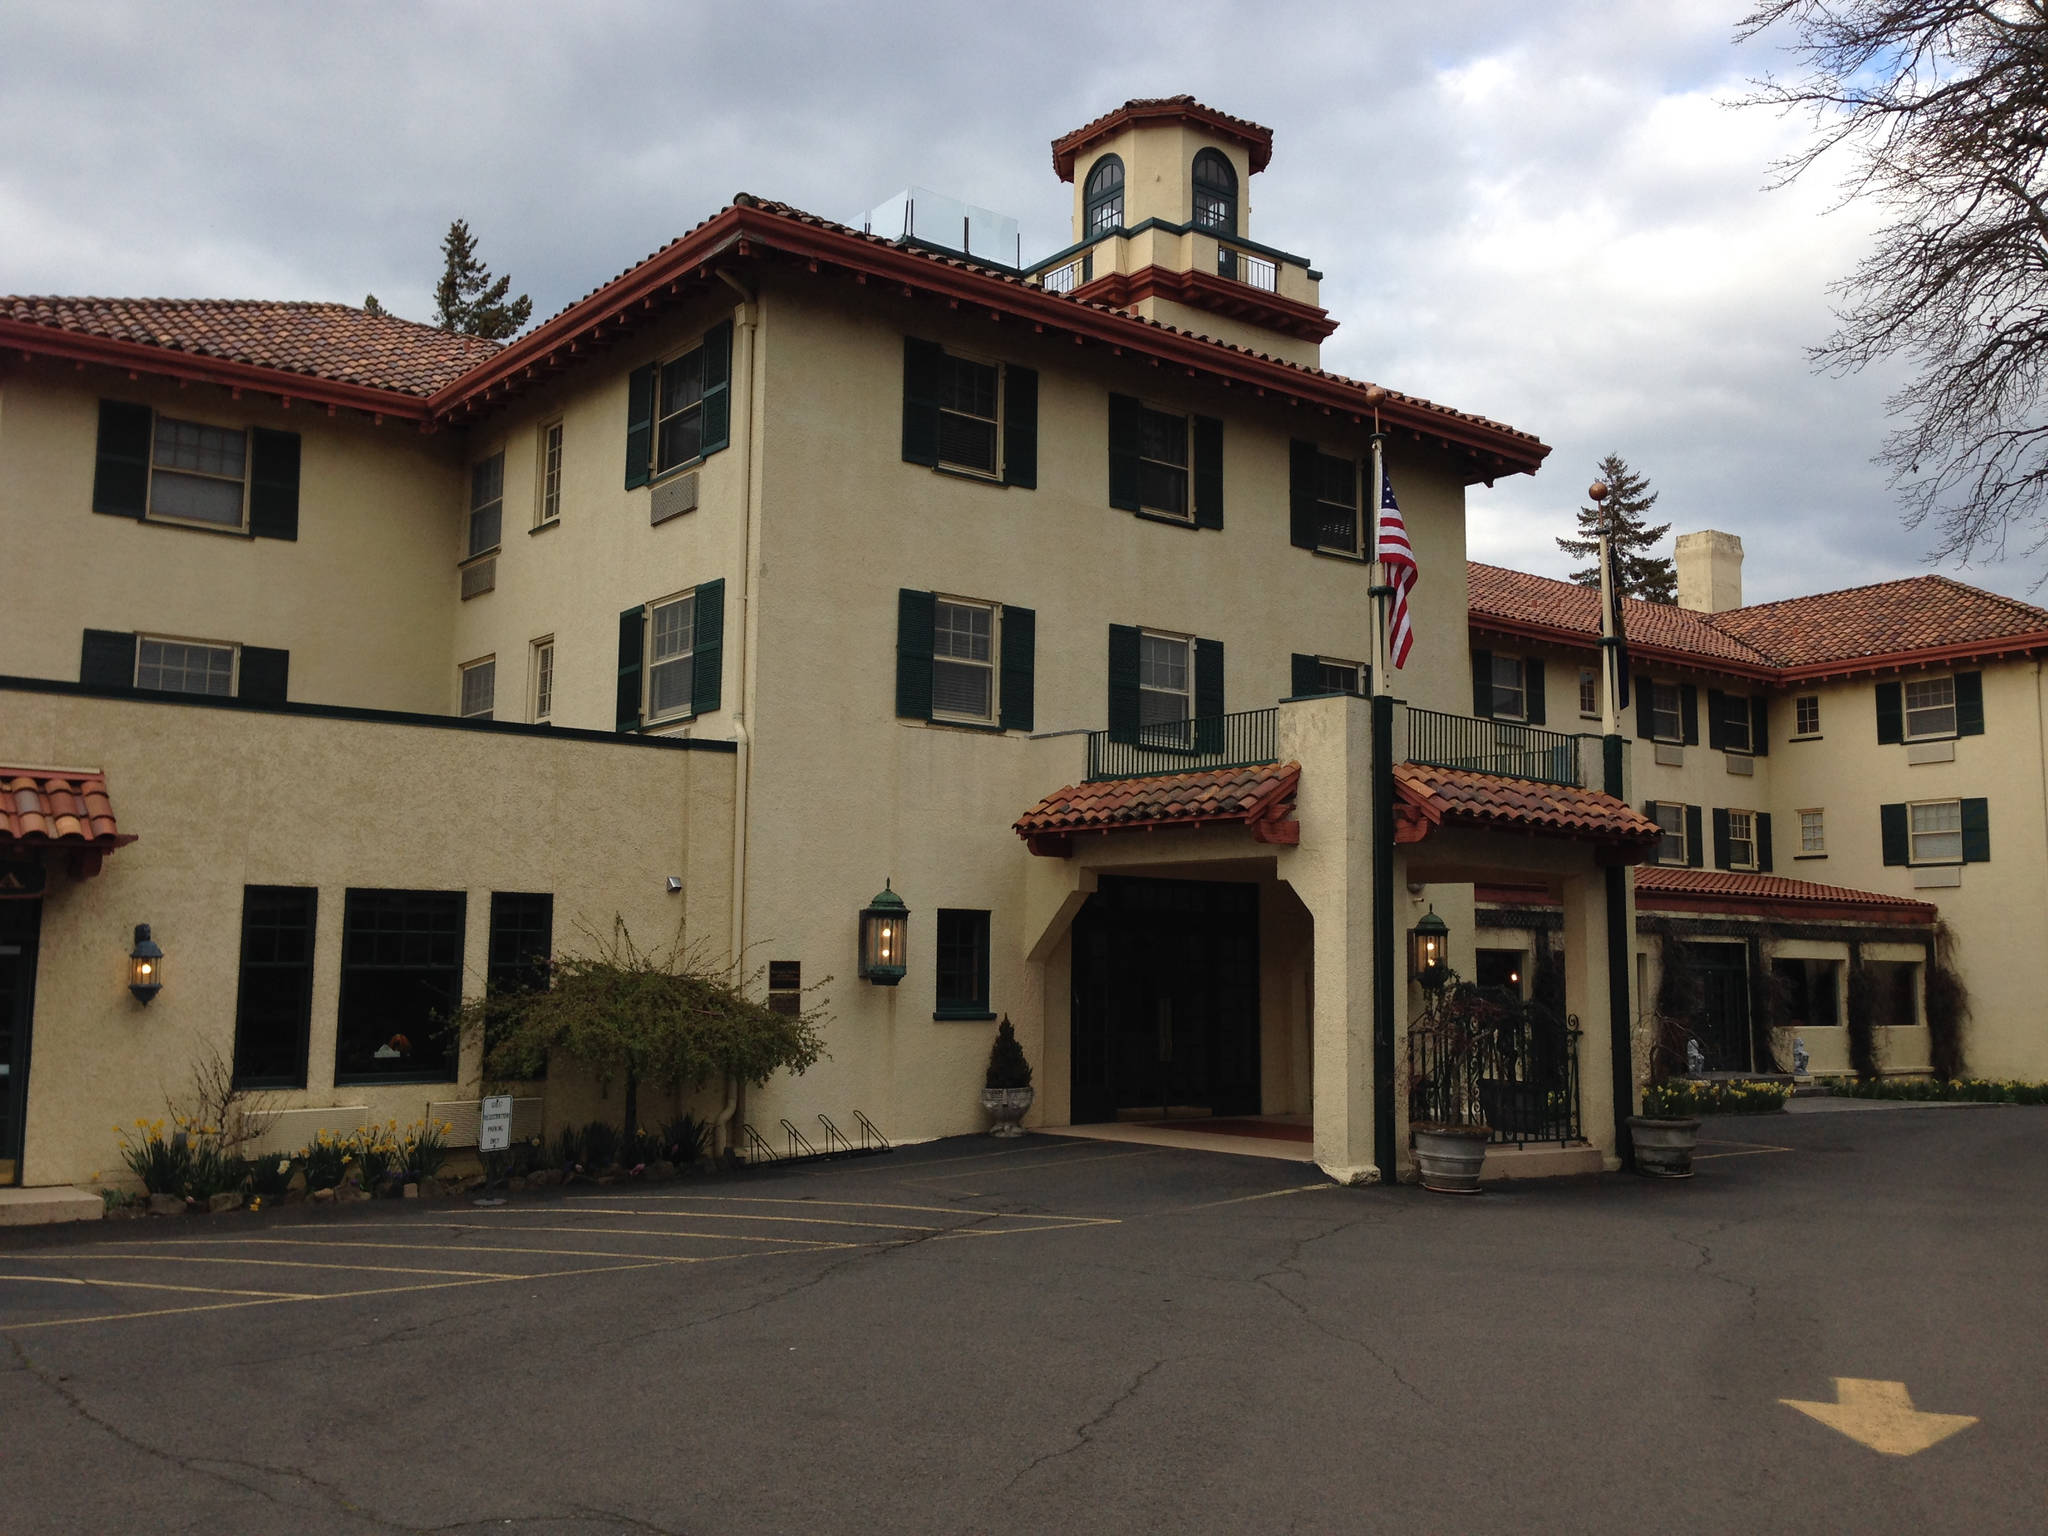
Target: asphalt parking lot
1060, 1335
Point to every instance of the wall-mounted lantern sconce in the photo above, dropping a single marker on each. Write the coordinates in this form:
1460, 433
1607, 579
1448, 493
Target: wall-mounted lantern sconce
884, 928
1428, 945
145, 966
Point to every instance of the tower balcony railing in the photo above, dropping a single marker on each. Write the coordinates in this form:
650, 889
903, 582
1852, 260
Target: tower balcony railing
1243, 267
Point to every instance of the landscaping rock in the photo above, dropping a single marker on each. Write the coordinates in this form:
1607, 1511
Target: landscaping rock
323, 1197
431, 1186
543, 1177
412, 1191
661, 1168
515, 1182
351, 1192
226, 1200
166, 1205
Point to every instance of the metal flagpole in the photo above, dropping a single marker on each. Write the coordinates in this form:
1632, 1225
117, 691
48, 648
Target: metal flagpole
1610, 676
1620, 1036
1381, 590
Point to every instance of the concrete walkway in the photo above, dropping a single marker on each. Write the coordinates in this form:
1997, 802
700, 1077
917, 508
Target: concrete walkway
51, 1203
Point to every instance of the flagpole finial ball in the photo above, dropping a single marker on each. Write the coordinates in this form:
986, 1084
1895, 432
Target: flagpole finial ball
1375, 396
1597, 490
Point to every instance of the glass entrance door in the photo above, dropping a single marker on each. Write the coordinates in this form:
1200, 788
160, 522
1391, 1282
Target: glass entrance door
19, 921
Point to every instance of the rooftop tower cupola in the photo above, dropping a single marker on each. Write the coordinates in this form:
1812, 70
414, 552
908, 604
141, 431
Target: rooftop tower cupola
1162, 225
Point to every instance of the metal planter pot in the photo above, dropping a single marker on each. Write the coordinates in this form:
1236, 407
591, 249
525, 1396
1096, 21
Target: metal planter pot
1450, 1157
1006, 1107
1664, 1148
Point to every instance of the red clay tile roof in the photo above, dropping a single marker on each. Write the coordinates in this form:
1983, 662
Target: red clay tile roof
50, 808
1254, 136
1431, 796
1263, 795
1655, 880
1498, 593
324, 341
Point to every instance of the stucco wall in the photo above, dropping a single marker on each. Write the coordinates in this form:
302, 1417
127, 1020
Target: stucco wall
222, 798
363, 599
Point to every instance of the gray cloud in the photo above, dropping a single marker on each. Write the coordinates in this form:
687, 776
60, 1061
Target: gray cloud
1542, 213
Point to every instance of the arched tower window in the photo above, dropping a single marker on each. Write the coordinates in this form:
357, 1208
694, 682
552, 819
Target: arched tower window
1102, 199
1215, 192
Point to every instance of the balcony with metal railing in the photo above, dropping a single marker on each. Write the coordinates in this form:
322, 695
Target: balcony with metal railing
1242, 740
1498, 747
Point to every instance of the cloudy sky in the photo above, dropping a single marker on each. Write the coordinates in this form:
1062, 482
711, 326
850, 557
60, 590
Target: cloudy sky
1545, 213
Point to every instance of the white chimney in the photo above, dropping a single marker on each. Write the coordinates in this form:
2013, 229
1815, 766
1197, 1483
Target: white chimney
1709, 571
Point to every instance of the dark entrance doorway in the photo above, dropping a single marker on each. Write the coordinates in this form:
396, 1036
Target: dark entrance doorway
1166, 999
19, 922
1722, 1026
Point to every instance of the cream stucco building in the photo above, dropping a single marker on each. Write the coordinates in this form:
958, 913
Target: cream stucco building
365, 663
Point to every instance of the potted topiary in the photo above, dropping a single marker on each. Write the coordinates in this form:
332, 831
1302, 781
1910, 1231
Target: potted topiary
1446, 1055
1007, 1092
1666, 1133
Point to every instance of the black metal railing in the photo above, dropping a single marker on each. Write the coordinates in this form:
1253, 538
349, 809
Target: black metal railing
1183, 746
1492, 746
1516, 1073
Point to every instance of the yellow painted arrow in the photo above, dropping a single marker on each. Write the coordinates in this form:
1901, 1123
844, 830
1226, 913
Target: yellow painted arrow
1881, 1415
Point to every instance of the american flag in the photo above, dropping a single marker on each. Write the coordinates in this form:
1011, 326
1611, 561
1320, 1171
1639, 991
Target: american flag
1393, 551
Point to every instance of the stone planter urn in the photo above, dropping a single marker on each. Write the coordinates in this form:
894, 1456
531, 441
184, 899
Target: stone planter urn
1664, 1148
1006, 1107
1449, 1157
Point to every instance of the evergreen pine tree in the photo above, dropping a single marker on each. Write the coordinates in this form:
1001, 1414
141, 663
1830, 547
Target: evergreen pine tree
1653, 578
468, 299
371, 306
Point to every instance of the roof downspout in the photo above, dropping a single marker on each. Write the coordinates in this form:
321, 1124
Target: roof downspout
748, 327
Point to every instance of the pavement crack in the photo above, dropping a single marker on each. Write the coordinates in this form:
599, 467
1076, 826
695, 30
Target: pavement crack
1084, 1433
1290, 1264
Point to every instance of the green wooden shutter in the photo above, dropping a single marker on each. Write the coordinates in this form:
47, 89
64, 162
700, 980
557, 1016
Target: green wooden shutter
923, 367
1969, 703
1760, 725
1689, 712
916, 614
639, 439
1891, 822
1304, 522
1308, 676
1763, 842
632, 646
1721, 851
1209, 705
1208, 456
1125, 418
265, 675
1020, 643
273, 484
120, 480
1891, 713
1533, 705
1717, 709
1976, 831
1020, 427
1644, 728
1482, 684
717, 388
107, 659
707, 646
1123, 683
1695, 843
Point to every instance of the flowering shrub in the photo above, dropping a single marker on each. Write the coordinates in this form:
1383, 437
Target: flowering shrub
1681, 1098
161, 1162
1969, 1090
423, 1149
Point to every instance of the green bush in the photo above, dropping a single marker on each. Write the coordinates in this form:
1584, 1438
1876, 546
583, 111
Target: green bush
684, 1139
164, 1164
269, 1177
424, 1150
600, 1144
327, 1159
569, 1146
1969, 1090
1007, 1067
1682, 1098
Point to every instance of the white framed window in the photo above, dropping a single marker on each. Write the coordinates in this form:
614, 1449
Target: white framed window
1666, 712
480, 689
486, 503
965, 639
548, 508
1813, 832
1741, 839
1930, 708
671, 653
1806, 715
1510, 689
199, 473
1670, 819
1163, 463
1165, 688
1589, 692
1935, 831
1334, 676
1339, 528
970, 415
543, 669
185, 666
